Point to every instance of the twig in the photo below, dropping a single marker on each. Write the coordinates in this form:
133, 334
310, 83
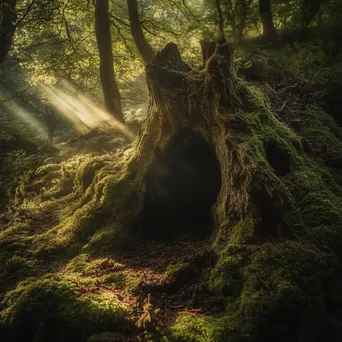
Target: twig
283, 106
288, 87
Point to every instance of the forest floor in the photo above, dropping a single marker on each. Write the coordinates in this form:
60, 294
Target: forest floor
66, 278
154, 281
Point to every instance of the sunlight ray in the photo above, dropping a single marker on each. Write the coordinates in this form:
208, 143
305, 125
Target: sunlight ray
82, 112
27, 117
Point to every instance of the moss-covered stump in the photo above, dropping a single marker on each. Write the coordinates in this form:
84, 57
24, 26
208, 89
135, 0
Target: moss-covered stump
210, 145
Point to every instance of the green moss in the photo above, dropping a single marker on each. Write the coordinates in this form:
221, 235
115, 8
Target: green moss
46, 169
108, 239
191, 328
133, 285
321, 126
320, 205
60, 309
58, 190
178, 268
107, 337
116, 190
242, 232
283, 282
226, 279
17, 264
115, 279
86, 172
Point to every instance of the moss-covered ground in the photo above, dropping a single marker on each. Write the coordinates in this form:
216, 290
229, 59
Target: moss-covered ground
69, 270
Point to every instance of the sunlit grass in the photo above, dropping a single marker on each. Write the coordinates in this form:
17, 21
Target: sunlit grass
82, 112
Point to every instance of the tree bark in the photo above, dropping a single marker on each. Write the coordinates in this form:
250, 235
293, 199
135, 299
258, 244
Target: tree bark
200, 104
265, 9
141, 42
220, 16
110, 88
7, 27
309, 9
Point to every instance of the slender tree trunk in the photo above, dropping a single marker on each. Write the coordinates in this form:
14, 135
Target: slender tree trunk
244, 9
269, 32
221, 21
309, 10
111, 92
142, 44
7, 26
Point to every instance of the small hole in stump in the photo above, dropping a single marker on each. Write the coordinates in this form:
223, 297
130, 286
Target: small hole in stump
278, 158
182, 188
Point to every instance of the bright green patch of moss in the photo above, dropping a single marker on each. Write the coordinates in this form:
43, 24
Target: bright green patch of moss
320, 205
226, 278
242, 232
178, 267
58, 305
108, 239
191, 328
107, 337
86, 172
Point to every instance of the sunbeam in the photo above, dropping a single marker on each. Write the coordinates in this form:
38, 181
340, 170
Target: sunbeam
82, 112
28, 118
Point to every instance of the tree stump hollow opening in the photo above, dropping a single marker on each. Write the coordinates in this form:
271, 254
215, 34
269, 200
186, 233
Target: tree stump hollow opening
181, 190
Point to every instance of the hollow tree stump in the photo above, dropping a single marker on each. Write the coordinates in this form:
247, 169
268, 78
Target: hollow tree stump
212, 160
230, 117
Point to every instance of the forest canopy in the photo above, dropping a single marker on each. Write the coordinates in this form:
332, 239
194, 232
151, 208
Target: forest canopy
170, 170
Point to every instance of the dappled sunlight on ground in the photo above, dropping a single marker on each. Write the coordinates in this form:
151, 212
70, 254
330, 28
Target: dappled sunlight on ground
144, 285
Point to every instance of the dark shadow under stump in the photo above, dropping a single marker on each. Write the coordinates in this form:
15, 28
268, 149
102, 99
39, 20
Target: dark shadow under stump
182, 188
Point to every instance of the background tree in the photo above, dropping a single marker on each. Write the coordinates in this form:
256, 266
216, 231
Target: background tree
220, 18
141, 42
237, 14
110, 89
266, 16
309, 9
7, 26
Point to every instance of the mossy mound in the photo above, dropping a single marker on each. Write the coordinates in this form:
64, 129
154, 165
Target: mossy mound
57, 308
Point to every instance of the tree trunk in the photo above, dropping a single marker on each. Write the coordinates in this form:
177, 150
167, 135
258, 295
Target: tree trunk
206, 111
7, 27
309, 10
141, 43
220, 16
269, 32
111, 92
242, 20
